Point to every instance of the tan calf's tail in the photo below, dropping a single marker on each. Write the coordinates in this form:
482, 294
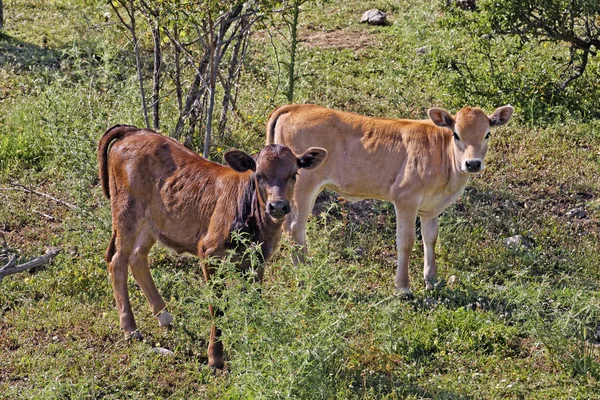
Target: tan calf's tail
278, 112
112, 134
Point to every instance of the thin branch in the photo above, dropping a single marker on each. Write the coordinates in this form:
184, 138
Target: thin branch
28, 190
10, 268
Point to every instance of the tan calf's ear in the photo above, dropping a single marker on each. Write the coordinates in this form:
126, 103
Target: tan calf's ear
312, 158
441, 117
501, 115
239, 161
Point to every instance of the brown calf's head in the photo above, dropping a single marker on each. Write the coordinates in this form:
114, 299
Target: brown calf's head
471, 131
275, 169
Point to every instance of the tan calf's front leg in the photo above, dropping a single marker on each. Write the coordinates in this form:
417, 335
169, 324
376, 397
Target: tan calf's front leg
305, 195
406, 217
429, 230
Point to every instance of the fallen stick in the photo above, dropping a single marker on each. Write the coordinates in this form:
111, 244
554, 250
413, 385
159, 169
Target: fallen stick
11, 268
28, 190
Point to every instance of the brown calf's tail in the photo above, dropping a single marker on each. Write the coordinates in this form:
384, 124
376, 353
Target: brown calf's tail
278, 112
112, 134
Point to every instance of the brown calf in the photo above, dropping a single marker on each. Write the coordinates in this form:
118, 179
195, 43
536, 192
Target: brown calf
420, 166
162, 191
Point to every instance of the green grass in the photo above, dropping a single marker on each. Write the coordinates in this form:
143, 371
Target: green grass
515, 323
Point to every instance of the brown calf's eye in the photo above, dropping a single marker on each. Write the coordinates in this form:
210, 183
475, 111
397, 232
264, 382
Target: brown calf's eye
455, 136
487, 136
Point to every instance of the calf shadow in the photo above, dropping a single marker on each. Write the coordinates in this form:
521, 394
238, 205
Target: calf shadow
24, 56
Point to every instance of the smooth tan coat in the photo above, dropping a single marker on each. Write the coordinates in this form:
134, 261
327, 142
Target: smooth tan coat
421, 166
162, 191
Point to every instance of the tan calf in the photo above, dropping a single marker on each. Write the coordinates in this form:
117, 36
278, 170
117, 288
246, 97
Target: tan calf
161, 191
420, 166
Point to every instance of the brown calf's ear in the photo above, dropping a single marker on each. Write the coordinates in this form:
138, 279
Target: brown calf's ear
239, 161
312, 158
501, 115
441, 117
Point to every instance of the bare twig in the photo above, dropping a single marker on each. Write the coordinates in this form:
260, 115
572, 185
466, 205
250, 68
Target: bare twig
47, 216
10, 268
28, 190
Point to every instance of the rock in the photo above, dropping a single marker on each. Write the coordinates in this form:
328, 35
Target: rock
518, 242
578, 213
374, 17
452, 281
162, 351
424, 50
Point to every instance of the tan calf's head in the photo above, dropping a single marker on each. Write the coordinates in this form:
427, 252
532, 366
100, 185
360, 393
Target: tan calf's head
275, 169
471, 131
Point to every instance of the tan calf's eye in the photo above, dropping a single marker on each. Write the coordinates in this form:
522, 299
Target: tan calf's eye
487, 136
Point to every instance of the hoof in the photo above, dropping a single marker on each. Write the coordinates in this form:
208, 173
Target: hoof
216, 364
164, 318
135, 335
432, 284
404, 293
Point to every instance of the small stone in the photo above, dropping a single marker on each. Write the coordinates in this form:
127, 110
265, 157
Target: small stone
518, 242
452, 281
374, 17
578, 213
162, 351
424, 50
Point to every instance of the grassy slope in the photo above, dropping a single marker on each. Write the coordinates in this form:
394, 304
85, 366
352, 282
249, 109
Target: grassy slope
517, 324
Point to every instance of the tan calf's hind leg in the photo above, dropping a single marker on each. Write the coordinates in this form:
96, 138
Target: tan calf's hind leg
305, 195
138, 262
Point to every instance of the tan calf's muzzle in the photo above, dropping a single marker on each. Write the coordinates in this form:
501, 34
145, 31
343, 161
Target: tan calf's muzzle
278, 209
473, 165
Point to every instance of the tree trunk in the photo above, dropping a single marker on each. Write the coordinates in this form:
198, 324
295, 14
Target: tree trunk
214, 69
156, 75
1, 16
294, 40
177, 56
138, 64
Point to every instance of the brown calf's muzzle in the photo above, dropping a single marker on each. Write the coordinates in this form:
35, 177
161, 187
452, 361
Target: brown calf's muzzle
278, 209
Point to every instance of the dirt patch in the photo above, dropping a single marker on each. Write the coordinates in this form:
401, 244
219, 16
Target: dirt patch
338, 39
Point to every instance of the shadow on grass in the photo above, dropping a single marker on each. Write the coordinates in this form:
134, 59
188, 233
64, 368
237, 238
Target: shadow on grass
25, 56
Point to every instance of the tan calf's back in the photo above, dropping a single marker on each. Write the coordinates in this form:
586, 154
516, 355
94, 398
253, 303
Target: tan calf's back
367, 156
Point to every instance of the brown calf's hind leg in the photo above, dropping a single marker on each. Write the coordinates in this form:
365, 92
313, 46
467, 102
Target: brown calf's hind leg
138, 262
118, 275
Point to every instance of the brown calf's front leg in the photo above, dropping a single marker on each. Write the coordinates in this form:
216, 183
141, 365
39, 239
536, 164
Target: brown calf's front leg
216, 359
406, 217
429, 230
